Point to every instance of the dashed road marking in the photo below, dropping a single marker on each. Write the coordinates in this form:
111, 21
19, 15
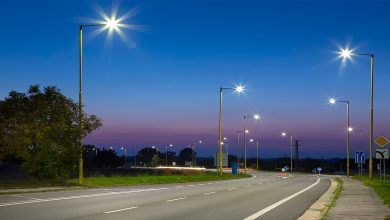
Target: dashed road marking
231, 189
120, 210
209, 193
172, 200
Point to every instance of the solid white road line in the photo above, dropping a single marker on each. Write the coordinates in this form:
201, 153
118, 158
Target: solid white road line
77, 197
269, 208
172, 200
248, 186
209, 193
119, 210
232, 189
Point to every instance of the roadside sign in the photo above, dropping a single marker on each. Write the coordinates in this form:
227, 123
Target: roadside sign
382, 141
382, 153
360, 157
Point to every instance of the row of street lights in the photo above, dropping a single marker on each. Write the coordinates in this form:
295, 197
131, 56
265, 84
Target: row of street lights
112, 24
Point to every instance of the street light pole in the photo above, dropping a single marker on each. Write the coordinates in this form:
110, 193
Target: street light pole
257, 153
256, 117
238, 150
238, 89
347, 54
291, 147
166, 154
111, 24
349, 129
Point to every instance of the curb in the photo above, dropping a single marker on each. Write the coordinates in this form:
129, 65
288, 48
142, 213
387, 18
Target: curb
317, 208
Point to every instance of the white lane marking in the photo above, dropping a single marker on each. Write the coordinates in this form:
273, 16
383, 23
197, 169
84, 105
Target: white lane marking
209, 183
209, 193
26, 197
285, 177
178, 186
269, 208
77, 197
191, 185
232, 189
201, 184
172, 200
248, 186
120, 210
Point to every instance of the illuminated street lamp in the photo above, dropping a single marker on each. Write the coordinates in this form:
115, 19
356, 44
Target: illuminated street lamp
349, 129
166, 154
193, 153
346, 54
255, 117
257, 153
125, 149
109, 24
237, 89
284, 134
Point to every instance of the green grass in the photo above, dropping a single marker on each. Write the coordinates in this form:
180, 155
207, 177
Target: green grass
99, 181
383, 190
336, 195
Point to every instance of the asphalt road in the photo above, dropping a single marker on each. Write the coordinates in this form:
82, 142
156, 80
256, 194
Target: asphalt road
265, 196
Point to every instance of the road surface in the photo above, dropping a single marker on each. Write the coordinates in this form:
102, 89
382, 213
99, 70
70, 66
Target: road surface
264, 196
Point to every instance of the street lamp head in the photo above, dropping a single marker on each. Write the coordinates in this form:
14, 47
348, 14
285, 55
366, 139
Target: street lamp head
345, 53
284, 134
225, 138
200, 141
332, 101
122, 148
239, 89
111, 24
251, 140
171, 145
350, 129
257, 117
247, 131
222, 143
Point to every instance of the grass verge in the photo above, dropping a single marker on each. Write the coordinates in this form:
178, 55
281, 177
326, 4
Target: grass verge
336, 195
383, 190
99, 181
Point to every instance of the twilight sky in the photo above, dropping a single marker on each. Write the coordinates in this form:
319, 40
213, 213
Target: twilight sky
160, 85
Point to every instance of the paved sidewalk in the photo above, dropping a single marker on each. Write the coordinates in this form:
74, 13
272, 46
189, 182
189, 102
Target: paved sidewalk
358, 201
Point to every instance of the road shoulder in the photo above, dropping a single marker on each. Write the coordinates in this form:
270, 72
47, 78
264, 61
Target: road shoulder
317, 209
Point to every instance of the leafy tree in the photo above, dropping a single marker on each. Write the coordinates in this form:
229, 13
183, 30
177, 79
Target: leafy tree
146, 154
186, 154
41, 128
155, 161
108, 159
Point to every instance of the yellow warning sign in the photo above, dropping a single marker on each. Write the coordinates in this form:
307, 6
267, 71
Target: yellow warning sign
382, 141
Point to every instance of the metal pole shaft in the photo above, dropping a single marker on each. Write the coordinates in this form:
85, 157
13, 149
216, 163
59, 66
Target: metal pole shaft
291, 160
371, 114
257, 153
81, 169
244, 146
166, 155
220, 131
238, 151
348, 125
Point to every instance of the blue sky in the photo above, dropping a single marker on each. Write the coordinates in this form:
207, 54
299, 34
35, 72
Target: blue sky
164, 88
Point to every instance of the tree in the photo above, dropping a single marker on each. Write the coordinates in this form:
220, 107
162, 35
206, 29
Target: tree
186, 155
146, 154
108, 159
42, 128
155, 161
